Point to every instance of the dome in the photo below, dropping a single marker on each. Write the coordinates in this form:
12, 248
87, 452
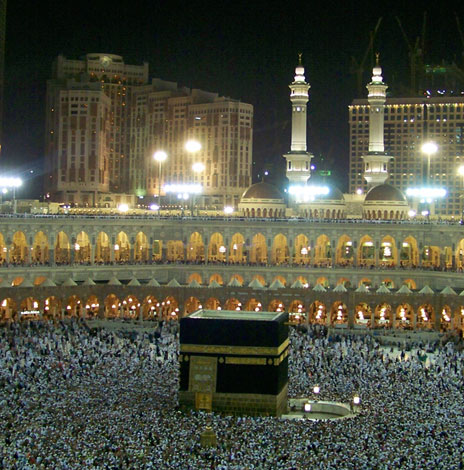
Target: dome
385, 192
262, 191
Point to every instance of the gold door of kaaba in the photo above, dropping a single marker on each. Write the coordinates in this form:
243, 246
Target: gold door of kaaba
202, 381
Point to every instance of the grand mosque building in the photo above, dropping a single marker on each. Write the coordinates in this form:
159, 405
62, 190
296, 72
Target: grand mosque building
358, 261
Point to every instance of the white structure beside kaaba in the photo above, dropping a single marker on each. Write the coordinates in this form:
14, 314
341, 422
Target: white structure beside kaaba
234, 362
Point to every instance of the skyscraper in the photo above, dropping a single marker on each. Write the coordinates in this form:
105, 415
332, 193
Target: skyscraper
108, 147
409, 123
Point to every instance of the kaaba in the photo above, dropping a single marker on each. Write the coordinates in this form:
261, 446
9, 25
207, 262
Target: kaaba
234, 362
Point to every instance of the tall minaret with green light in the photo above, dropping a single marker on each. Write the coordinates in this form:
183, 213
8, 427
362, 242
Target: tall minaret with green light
298, 159
376, 161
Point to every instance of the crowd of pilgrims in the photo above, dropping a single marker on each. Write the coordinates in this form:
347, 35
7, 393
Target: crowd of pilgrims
73, 396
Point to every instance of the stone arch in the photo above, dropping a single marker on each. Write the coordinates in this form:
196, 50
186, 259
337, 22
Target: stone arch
19, 249
303, 280
195, 277
363, 314
366, 282
40, 249
238, 277
338, 314
297, 311
459, 255
92, 307
62, 248
175, 250
410, 283
52, 308
276, 305
317, 313
409, 253
196, 248
260, 279
150, 308
345, 252
213, 304
141, 248
383, 316
170, 308
3, 249
30, 309
102, 248
8, 310
280, 252
345, 282
122, 248
216, 277
445, 318
425, 317
280, 279
323, 251
258, 252
130, 307
237, 250
17, 281
233, 304
323, 281
388, 255
157, 250
82, 248
39, 280
430, 256
388, 283
74, 307
253, 305
366, 251
192, 304
216, 248
112, 306
302, 250
404, 316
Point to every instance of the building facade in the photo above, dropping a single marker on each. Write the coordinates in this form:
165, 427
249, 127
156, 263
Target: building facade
409, 273
104, 121
409, 123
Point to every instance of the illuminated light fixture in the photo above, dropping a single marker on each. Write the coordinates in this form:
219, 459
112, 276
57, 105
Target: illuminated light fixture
192, 146
198, 167
316, 389
10, 182
123, 207
429, 148
461, 170
77, 247
183, 188
160, 156
222, 249
154, 207
307, 407
228, 210
307, 193
116, 247
359, 191
356, 400
411, 213
426, 192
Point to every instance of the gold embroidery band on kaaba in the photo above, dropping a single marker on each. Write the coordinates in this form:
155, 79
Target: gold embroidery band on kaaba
234, 350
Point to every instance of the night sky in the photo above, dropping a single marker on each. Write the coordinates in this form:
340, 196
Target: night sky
245, 50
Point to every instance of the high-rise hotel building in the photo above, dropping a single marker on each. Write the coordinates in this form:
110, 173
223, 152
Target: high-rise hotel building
410, 122
105, 121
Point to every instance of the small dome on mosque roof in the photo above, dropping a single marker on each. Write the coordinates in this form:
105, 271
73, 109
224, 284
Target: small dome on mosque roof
385, 192
262, 191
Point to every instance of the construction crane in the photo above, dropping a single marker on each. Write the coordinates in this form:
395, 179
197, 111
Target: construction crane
358, 68
416, 53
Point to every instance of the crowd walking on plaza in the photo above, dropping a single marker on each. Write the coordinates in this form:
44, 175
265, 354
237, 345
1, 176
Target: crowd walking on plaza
77, 396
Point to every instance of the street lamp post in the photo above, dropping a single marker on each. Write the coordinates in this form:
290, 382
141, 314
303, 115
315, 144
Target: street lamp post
197, 168
160, 156
429, 149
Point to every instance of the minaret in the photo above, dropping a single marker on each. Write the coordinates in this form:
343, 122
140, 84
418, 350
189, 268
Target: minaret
375, 162
298, 159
